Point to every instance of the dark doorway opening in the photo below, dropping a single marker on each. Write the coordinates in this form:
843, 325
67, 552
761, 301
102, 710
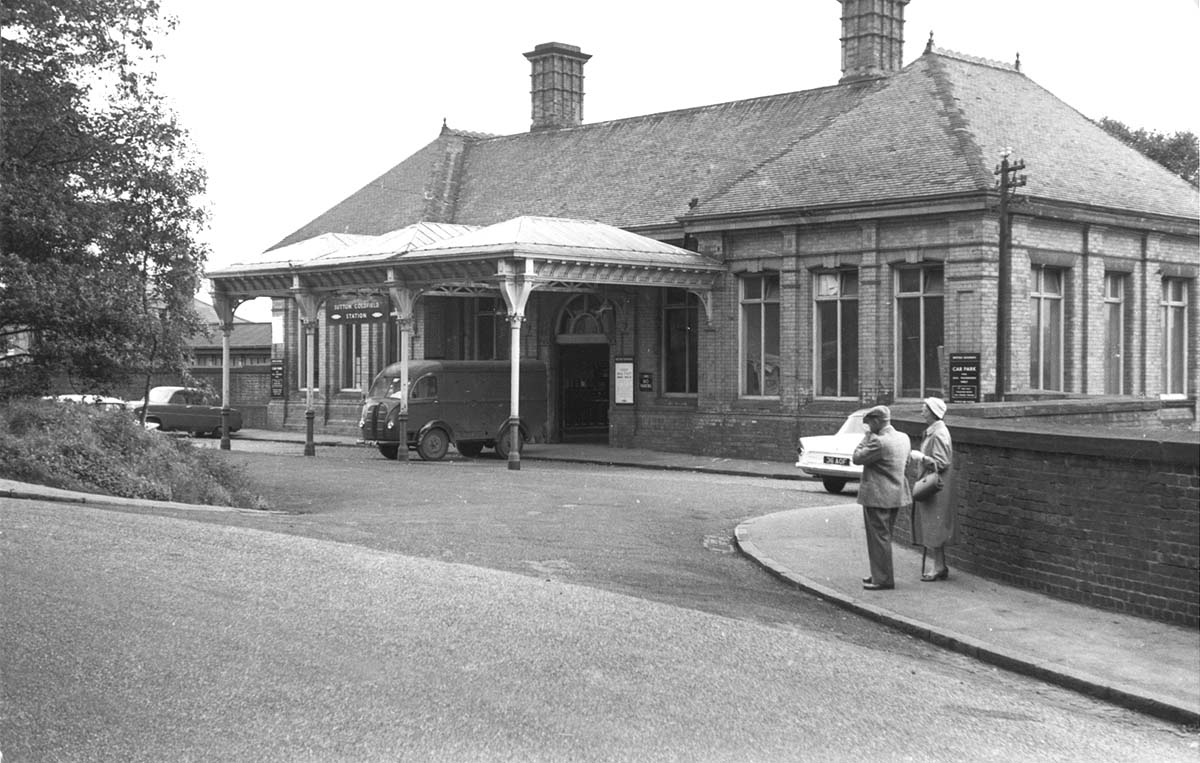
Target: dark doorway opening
583, 370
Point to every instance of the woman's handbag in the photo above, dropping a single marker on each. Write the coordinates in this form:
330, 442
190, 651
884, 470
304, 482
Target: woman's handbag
927, 486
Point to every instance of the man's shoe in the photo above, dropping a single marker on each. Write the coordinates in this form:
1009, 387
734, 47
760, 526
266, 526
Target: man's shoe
877, 587
867, 579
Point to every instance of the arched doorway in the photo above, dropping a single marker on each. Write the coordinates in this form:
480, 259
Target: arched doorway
584, 326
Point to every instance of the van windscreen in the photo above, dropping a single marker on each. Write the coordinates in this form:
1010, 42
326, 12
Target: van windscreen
386, 386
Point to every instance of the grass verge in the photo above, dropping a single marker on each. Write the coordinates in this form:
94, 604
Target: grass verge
78, 447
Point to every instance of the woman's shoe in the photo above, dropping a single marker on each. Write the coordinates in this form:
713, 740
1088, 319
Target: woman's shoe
943, 574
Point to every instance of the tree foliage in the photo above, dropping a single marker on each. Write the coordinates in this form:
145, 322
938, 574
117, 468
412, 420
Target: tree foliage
1178, 151
98, 216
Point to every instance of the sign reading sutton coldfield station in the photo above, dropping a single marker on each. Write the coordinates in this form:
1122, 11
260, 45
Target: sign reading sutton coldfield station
359, 309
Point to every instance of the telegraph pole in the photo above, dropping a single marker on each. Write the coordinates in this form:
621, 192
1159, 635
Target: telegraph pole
1007, 184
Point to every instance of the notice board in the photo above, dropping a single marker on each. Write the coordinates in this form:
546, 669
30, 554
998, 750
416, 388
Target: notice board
623, 381
964, 377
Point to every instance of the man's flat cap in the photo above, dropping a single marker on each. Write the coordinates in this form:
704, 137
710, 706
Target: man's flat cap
881, 412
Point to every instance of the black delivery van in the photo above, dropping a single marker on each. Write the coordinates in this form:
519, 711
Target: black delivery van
465, 402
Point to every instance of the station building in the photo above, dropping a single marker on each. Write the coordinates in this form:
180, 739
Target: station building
701, 280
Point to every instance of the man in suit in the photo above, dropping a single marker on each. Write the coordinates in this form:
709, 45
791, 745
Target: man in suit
884, 488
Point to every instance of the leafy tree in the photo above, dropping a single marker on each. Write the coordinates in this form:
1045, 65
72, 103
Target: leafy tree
1178, 151
98, 189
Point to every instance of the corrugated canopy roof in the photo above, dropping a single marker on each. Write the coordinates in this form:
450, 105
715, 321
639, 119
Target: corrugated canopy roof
559, 238
569, 254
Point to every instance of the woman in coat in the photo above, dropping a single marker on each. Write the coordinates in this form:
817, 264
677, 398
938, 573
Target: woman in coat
934, 522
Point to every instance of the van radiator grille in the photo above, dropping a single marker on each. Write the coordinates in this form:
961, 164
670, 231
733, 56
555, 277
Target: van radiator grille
375, 422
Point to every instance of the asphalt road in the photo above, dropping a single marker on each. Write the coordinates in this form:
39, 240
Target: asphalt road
513, 617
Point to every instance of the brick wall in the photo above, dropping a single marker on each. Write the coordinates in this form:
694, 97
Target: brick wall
1106, 519
249, 391
758, 435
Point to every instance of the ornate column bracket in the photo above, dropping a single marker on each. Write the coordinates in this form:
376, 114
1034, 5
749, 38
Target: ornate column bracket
516, 285
706, 299
307, 301
404, 299
225, 306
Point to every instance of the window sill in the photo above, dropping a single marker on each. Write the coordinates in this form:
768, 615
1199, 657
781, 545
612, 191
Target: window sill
757, 403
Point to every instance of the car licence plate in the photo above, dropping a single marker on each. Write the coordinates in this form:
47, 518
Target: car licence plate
839, 460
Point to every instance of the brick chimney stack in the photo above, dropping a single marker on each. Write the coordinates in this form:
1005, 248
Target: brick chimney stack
557, 85
872, 38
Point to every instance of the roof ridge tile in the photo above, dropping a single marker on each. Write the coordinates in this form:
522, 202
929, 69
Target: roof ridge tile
947, 53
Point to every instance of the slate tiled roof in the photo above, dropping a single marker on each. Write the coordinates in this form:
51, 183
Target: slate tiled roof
639, 172
1069, 158
245, 333
935, 128
938, 127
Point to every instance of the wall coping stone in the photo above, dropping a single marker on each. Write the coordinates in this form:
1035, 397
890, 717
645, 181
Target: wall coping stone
1158, 446
1064, 406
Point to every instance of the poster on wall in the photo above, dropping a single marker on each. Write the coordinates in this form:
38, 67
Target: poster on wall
623, 381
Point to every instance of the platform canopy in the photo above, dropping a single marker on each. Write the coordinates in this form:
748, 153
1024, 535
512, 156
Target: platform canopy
435, 258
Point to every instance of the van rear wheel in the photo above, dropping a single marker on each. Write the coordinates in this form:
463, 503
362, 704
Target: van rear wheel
433, 445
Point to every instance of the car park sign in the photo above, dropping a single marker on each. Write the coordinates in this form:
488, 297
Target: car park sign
964, 377
369, 309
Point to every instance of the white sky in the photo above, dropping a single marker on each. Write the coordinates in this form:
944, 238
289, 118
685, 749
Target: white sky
296, 104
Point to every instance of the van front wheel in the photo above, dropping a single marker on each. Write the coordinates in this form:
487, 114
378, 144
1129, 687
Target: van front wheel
433, 444
390, 451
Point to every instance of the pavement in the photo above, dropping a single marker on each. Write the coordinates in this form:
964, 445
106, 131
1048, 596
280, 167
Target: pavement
1130, 661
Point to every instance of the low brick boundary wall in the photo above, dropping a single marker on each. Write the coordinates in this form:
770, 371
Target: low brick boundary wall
1108, 518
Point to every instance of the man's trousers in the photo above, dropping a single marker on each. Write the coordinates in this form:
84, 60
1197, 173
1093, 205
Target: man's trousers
879, 523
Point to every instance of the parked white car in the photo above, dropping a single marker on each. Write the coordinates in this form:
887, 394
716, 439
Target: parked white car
828, 456
100, 401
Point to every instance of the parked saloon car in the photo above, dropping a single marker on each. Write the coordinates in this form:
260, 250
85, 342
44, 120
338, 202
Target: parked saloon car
828, 456
185, 409
102, 402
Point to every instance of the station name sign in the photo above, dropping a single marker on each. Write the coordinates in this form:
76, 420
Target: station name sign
359, 309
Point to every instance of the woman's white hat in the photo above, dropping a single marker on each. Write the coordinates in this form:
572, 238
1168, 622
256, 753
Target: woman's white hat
937, 406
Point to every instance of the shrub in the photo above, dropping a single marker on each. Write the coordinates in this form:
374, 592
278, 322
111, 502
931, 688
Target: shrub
78, 447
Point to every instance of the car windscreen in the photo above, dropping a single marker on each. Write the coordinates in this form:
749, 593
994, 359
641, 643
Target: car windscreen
161, 394
854, 424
